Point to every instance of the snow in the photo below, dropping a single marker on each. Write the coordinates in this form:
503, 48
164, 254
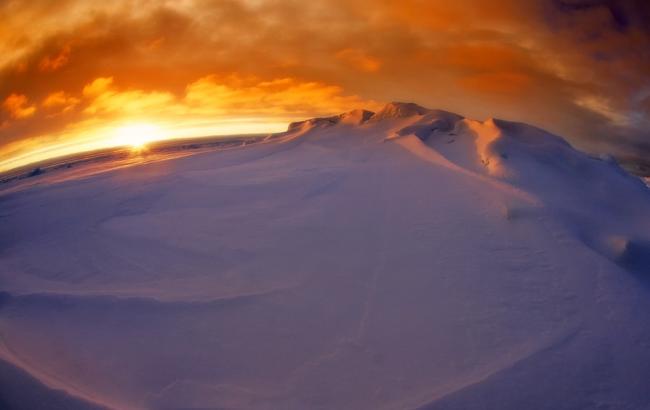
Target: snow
407, 259
399, 110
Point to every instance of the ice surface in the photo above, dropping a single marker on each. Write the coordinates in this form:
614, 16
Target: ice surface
407, 259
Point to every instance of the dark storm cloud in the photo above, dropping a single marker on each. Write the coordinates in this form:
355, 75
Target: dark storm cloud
623, 13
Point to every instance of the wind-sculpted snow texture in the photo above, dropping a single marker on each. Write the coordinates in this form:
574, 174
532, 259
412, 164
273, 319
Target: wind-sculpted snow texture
405, 259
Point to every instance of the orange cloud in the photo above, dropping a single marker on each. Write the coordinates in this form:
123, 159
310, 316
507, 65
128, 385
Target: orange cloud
155, 44
251, 95
130, 102
106, 99
18, 106
502, 83
221, 95
60, 100
415, 11
358, 59
485, 56
53, 63
97, 86
444, 15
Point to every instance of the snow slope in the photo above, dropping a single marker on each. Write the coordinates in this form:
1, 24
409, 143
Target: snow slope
406, 259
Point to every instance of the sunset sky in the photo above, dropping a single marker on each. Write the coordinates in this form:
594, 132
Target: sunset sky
75, 74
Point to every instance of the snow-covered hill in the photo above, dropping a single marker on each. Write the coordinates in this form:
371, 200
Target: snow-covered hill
409, 258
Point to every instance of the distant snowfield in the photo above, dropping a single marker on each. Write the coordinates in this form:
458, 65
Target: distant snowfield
406, 259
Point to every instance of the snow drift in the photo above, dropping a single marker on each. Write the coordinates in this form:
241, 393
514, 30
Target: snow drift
409, 258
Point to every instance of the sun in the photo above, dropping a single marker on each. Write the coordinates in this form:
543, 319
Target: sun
136, 136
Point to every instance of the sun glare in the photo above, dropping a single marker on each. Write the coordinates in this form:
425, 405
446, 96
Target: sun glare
136, 136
